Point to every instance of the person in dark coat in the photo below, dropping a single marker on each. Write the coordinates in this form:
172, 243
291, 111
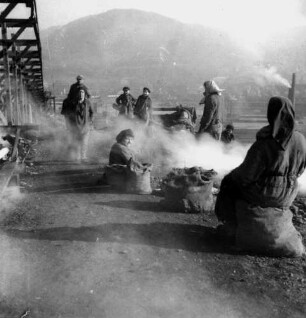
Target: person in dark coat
75, 88
227, 135
126, 103
143, 107
267, 178
80, 121
120, 152
211, 119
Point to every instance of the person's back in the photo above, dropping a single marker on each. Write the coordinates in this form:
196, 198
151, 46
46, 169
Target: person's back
268, 175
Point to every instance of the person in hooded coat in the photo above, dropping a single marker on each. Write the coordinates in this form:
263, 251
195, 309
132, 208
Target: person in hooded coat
211, 119
120, 152
267, 178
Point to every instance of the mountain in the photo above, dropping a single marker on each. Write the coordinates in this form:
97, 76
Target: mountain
137, 48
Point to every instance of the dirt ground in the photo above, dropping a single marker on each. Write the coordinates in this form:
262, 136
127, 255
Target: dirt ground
73, 248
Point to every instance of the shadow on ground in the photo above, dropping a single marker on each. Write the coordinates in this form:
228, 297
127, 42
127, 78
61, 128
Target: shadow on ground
193, 238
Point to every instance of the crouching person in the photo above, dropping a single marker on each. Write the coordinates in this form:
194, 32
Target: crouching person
124, 173
254, 199
121, 152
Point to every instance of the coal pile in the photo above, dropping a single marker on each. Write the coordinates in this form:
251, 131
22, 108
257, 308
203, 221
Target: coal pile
189, 190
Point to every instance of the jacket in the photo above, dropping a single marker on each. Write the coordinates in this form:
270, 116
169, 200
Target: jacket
120, 154
143, 107
127, 102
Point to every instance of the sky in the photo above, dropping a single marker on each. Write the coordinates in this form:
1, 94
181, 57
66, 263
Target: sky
248, 20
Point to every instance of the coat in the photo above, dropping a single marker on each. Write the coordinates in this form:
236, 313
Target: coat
127, 103
268, 175
143, 107
120, 154
210, 121
81, 117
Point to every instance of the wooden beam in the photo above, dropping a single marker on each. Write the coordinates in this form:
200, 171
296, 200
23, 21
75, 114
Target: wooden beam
7, 11
23, 42
18, 23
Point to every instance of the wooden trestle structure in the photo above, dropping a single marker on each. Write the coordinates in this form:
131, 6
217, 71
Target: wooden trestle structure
21, 75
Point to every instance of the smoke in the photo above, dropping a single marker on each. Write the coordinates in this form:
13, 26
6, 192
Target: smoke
167, 150
267, 75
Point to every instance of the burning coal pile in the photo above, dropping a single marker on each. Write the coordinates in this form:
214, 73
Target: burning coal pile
189, 190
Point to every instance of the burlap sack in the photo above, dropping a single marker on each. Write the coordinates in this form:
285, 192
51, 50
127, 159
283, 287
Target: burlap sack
268, 231
139, 178
189, 190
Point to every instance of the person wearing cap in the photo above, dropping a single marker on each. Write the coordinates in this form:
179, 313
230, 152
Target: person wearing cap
126, 103
80, 121
75, 87
211, 119
227, 135
120, 152
143, 107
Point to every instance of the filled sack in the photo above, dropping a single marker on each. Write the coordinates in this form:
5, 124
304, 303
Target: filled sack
267, 231
138, 177
189, 190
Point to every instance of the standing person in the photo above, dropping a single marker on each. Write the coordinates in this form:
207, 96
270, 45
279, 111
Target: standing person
75, 87
126, 103
211, 119
254, 199
227, 135
143, 107
80, 121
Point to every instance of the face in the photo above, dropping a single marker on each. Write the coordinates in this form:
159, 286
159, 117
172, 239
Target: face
146, 93
80, 80
126, 91
82, 95
127, 141
230, 130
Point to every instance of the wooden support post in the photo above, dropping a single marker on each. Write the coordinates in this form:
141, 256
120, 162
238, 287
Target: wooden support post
9, 110
16, 111
291, 94
15, 148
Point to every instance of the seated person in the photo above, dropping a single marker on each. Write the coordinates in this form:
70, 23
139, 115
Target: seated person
227, 135
120, 152
254, 199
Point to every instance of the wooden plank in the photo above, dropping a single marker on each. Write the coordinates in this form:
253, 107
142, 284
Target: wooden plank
7, 11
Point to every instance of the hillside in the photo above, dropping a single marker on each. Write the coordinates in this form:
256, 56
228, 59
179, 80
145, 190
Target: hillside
136, 48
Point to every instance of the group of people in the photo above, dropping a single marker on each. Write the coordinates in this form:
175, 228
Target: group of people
253, 204
140, 108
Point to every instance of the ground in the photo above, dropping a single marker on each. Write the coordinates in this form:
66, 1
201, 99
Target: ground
73, 248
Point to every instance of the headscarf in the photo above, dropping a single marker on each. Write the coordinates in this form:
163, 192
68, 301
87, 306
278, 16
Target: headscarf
212, 88
124, 133
281, 116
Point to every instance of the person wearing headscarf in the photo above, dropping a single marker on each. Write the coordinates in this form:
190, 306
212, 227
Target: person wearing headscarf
267, 178
120, 152
126, 103
211, 119
143, 107
80, 119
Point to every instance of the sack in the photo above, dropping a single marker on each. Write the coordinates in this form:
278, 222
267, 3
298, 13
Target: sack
116, 176
189, 190
267, 231
138, 178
